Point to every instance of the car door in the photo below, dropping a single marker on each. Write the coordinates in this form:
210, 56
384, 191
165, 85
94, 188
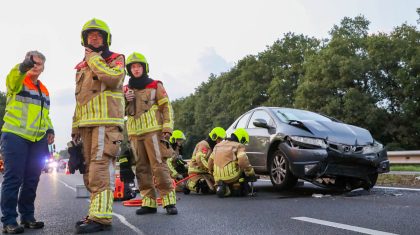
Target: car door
259, 140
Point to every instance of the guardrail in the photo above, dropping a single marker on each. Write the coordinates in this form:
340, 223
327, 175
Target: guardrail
404, 157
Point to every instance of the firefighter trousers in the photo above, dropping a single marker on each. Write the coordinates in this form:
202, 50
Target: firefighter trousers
101, 145
151, 169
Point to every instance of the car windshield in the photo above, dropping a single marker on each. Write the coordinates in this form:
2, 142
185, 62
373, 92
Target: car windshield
287, 115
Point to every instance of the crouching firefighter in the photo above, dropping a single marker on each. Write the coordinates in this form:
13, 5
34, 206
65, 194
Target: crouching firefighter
203, 180
230, 166
176, 164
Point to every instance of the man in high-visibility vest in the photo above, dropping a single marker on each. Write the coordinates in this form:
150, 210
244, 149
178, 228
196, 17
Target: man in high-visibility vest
27, 131
98, 121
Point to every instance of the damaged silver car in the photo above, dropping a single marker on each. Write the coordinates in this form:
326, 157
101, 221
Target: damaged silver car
288, 144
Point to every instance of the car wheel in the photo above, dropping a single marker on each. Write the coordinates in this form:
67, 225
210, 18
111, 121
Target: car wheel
280, 175
372, 181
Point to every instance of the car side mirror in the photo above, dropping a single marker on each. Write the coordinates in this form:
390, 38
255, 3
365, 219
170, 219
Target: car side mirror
261, 123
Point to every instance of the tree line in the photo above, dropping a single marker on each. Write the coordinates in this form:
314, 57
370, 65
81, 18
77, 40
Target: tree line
368, 80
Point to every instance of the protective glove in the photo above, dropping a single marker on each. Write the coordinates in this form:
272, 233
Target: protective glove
179, 177
27, 64
252, 178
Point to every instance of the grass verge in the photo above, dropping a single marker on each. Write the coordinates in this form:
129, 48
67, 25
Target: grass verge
412, 181
400, 167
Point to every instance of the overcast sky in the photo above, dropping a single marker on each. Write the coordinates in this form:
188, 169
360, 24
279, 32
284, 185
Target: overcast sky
184, 41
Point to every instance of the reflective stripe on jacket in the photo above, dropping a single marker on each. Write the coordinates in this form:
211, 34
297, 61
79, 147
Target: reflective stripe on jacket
25, 101
228, 160
200, 156
99, 94
153, 111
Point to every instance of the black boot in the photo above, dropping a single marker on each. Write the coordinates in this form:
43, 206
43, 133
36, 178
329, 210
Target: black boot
146, 210
185, 189
32, 224
91, 226
171, 210
11, 228
80, 222
220, 189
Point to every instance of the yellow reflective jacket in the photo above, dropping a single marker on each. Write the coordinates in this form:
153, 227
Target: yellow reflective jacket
99, 94
27, 107
228, 160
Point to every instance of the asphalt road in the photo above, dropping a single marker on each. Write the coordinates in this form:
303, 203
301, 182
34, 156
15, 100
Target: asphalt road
304, 210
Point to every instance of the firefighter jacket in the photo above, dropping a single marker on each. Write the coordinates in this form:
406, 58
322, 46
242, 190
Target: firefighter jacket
199, 159
99, 94
150, 110
27, 107
228, 161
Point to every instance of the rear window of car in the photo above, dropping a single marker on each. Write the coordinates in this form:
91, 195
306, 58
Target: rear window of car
287, 115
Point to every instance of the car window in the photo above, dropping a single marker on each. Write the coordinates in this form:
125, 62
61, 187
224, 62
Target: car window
260, 114
286, 115
242, 122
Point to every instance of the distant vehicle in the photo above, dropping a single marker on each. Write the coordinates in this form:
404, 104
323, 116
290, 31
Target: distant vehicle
50, 165
62, 164
288, 144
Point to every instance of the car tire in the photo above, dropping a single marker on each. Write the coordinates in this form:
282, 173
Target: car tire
280, 175
372, 181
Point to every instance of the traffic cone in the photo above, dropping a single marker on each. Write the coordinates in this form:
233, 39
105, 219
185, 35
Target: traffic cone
67, 169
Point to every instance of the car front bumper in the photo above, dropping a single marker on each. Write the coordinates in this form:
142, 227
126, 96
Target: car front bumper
313, 163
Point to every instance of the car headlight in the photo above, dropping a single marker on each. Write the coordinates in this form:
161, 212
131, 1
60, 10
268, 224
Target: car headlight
308, 142
373, 148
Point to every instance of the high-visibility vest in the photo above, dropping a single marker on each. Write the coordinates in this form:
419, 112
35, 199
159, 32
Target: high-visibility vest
27, 107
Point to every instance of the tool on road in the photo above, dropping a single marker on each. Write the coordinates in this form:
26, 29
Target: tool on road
253, 193
138, 202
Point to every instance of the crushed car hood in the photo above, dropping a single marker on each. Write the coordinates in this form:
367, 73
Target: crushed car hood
339, 132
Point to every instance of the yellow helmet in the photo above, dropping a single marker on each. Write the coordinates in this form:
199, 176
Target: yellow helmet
136, 57
217, 132
242, 135
177, 135
99, 25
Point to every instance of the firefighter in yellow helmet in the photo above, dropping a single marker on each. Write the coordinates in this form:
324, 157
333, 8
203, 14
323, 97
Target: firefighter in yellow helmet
203, 181
176, 164
98, 120
149, 127
230, 166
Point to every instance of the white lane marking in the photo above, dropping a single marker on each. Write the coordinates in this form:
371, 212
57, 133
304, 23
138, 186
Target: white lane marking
343, 226
68, 186
396, 188
120, 217
379, 187
126, 223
